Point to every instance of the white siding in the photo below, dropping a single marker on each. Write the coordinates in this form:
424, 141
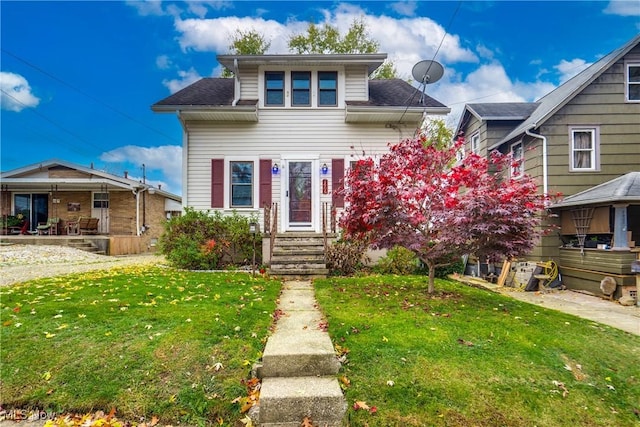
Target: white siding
289, 132
249, 83
356, 87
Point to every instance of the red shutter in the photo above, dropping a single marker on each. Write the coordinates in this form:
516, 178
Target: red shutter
265, 183
217, 183
337, 176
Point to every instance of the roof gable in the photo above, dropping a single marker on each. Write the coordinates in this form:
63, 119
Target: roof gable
560, 96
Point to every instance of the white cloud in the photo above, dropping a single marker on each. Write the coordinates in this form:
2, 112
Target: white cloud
163, 62
16, 93
488, 83
185, 79
406, 8
623, 8
166, 158
568, 69
147, 7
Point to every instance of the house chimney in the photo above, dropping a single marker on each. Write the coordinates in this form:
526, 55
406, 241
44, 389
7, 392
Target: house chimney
159, 186
126, 174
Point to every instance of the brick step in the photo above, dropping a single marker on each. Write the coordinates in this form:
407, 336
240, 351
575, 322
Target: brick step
298, 259
285, 402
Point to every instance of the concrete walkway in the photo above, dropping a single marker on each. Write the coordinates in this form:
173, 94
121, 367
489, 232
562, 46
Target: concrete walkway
579, 304
299, 365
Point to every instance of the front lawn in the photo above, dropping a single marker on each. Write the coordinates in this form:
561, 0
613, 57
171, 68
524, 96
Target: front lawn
147, 341
469, 357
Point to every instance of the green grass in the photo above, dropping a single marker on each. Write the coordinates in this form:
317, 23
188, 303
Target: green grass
145, 340
469, 357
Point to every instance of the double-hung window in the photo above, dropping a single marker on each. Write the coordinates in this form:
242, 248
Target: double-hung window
517, 159
327, 88
274, 88
475, 143
584, 149
241, 183
632, 75
301, 88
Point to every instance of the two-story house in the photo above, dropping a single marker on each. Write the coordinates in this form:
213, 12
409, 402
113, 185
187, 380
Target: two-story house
275, 140
578, 140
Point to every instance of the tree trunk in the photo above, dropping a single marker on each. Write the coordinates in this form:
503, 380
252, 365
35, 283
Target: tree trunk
432, 277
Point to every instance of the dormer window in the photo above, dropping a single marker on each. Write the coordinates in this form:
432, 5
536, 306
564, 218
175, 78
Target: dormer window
274, 88
327, 88
301, 88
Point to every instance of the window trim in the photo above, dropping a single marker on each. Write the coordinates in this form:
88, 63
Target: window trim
320, 90
595, 149
282, 90
627, 82
475, 143
314, 90
255, 184
308, 90
521, 169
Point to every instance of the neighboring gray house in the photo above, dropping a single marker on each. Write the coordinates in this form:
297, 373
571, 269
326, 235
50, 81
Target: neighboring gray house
583, 134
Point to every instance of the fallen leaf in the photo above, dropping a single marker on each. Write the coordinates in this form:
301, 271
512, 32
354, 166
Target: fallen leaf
360, 404
306, 422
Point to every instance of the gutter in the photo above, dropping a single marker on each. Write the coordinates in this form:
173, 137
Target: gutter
236, 79
545, 167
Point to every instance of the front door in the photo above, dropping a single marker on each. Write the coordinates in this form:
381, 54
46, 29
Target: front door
299, 195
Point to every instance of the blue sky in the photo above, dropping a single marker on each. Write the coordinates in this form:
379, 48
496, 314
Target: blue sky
77, 79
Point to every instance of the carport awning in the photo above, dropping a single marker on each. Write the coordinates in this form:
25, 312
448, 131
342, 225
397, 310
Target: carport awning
624, 189
171, 205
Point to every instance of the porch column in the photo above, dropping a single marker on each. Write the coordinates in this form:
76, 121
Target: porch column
620, 228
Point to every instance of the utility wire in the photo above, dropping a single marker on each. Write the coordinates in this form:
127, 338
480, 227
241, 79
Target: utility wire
114, 109
42, 116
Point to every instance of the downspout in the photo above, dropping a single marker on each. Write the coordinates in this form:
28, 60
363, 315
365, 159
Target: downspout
236, 78
545, 173
136, 194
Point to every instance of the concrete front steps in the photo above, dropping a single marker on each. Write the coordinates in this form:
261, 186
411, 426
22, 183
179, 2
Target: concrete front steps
85, 245
298, 255
299, 366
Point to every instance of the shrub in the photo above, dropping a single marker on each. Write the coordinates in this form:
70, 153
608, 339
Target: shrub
398, 260
345, 257
200, 240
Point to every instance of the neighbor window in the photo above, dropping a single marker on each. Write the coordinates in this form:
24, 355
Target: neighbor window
101, 200
241, 184
633, 81
583, 149
327, 88
475, 143
274, 87
517, 165
301, 88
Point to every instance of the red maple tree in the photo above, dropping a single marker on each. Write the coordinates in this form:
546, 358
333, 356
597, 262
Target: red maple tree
418, 197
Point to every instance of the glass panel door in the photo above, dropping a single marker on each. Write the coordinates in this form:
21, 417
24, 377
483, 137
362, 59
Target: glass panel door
300, 194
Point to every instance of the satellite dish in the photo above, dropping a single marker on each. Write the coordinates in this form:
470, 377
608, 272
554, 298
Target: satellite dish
427, 72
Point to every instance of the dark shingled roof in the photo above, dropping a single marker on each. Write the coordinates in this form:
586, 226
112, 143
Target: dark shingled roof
206, 91
219, 92
503, 110
395, 93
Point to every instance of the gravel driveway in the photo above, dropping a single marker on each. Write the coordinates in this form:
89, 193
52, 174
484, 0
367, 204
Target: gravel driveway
20, 263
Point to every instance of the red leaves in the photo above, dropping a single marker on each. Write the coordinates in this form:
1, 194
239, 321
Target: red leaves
415, 198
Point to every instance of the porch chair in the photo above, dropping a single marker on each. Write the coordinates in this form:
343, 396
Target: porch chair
50, 227
88, 225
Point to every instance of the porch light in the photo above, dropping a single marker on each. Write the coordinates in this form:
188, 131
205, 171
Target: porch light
324, 169
275, 169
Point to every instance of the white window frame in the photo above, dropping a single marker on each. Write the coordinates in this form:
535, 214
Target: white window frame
594, 155
255, 184
519, 172
314, 95
475, 143
627, 80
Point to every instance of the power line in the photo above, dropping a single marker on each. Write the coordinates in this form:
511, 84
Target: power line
42, 116
114, 109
